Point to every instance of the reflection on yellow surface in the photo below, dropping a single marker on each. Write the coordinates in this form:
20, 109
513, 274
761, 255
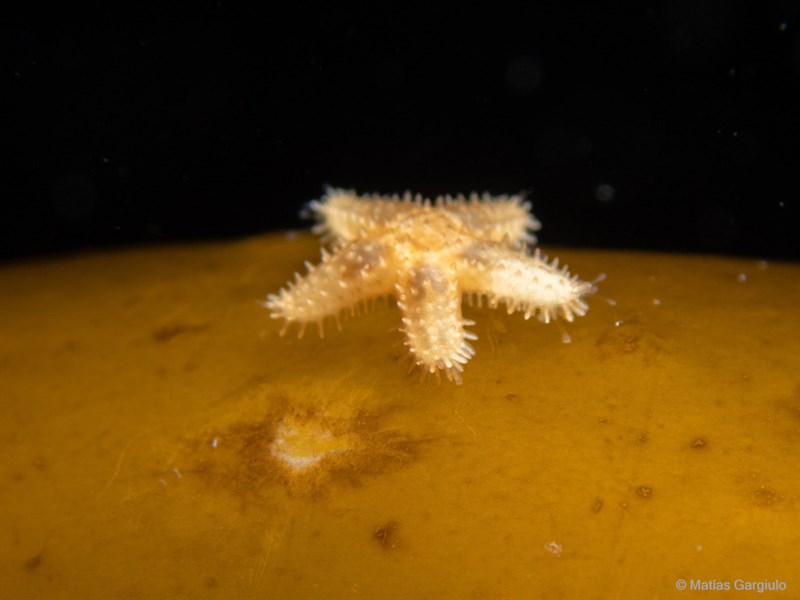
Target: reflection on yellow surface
160, 440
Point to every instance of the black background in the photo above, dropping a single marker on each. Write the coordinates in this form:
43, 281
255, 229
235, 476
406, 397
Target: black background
666, 126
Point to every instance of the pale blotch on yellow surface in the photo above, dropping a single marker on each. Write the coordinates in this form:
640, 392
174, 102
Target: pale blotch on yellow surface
160, 440
301, 444
300, 447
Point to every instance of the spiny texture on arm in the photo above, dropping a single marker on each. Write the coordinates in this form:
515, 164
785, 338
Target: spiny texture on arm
505, 219
523, 282
430, 300
354, 274
343, 215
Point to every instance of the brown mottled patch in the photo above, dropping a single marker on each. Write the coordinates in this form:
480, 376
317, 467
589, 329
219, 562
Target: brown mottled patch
386, 535
765, 497
241, 458
787, 427
629, 337
164, 333
791, 405
644, 491
511, 397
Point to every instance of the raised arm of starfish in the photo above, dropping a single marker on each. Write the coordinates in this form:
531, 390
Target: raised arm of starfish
429, 254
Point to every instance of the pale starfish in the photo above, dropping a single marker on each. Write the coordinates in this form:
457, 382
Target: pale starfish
429, 255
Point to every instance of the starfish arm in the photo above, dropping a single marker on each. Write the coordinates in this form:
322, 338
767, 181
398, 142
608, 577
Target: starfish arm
430, 300
342, 215
528, 283
495, 218
356, 272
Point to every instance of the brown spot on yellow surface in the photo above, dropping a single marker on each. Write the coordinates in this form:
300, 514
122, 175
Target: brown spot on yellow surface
629, 336
644, 491
164, 333
629, 343
791, 405
33, 563
386, 535
597, 505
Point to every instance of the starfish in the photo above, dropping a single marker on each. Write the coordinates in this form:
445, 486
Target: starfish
429, 255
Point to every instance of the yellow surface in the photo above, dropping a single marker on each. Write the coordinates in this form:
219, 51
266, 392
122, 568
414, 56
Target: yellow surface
160, 440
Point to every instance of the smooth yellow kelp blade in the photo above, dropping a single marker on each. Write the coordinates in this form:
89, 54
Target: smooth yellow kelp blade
159, 439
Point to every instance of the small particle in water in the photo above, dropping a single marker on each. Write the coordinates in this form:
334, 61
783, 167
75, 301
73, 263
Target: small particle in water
214, 443
162, 482
604, 192
699, 443
554, 548
762, 265
731, 72
617, 323
176, 473
644, 491
565, 338
782, 27
699, 547
741, 277
656, 302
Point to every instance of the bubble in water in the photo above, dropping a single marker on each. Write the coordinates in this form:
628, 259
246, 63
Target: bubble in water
604, 192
